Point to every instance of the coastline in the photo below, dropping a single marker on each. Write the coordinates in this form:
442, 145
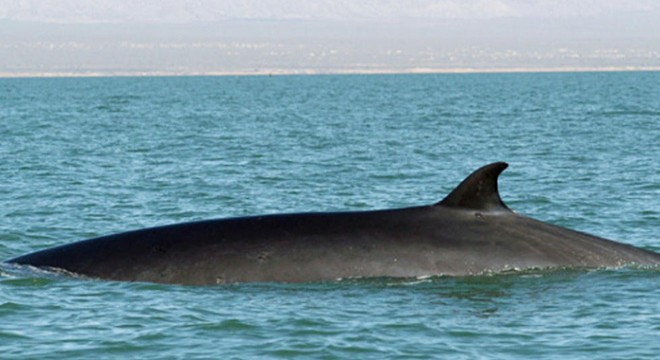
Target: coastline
284, 72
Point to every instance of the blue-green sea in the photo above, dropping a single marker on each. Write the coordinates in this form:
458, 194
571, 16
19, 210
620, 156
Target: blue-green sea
84, 157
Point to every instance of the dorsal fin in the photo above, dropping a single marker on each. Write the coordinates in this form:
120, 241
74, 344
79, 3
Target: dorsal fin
479, 190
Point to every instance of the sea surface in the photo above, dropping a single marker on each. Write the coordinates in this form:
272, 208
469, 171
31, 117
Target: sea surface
84, 157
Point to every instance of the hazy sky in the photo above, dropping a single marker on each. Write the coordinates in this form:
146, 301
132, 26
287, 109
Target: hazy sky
67, 11
248, 36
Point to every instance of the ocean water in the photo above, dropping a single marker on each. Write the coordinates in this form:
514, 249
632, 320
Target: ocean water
83, 157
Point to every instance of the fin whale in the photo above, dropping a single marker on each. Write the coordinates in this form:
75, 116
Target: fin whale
469, 232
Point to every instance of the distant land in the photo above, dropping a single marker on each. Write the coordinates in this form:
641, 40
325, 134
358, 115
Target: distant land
316, 72
261, 47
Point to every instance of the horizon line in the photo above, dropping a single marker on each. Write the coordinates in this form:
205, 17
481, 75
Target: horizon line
285, 72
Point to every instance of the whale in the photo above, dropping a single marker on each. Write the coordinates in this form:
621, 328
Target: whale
470, 232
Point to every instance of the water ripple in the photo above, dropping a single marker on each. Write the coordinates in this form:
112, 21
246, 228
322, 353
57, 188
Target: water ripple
87, 157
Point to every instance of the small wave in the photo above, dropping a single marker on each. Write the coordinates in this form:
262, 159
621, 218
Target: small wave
629, 113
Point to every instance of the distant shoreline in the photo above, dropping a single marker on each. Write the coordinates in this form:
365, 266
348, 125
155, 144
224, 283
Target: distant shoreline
280, 72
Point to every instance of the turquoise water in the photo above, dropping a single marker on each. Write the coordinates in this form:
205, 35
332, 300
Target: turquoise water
88, 157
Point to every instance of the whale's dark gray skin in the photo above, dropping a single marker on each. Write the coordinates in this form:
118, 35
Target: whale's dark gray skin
470, 232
